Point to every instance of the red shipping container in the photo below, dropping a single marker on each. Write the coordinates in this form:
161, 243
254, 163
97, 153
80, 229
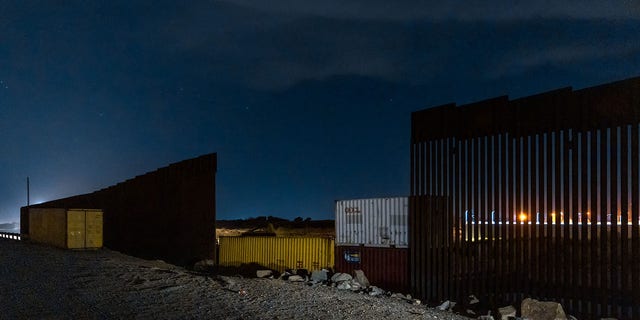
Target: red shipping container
386, 268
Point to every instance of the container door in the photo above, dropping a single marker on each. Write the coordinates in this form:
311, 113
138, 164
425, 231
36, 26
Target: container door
75, 229
94, 229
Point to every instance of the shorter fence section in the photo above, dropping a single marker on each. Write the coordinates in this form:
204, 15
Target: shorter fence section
10, 235
277, 253
386, 268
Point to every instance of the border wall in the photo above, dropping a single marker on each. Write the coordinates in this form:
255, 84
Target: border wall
166, 214
534, 197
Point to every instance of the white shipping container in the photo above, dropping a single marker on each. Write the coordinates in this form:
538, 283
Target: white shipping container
377, 222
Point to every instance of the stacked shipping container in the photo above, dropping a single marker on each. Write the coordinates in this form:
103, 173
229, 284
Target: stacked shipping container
372, 235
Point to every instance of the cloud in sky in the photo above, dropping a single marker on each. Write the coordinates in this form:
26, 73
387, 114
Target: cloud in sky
276, 44
273, 49
561, 55
450, 10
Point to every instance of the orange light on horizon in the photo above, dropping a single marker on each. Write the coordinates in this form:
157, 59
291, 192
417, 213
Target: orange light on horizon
523, 217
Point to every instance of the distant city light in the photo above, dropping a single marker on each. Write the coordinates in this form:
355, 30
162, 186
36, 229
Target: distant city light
523, 217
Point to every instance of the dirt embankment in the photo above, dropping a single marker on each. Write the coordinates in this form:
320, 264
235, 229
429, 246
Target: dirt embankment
39, 282
277, 227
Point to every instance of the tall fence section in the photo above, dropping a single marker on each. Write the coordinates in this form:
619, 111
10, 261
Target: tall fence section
534, 197
167, 214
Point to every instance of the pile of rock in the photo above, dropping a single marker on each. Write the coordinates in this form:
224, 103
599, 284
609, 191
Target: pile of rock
361, 284
530, 309
295, 275
357, 283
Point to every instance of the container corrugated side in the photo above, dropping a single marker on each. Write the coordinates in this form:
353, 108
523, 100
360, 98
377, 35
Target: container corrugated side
387, 268
48, 226
277, 253
76, 224
376, 222
71, 229
94, 228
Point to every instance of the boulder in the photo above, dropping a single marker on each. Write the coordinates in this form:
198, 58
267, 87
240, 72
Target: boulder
444, 306
355, 286
474, 307
339, 277
319, 276
264, 273
398, 295
362, 279
406, 298
344, 285
296, 278
375, 291
542, 310
204, 265
302, 272
507, 312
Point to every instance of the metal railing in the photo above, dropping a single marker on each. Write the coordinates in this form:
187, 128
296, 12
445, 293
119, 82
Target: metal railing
10, 236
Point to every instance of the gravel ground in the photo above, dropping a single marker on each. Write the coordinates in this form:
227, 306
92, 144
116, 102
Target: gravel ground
39, 282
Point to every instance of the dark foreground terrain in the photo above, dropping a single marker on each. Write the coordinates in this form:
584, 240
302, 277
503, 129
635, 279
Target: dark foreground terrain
39, 282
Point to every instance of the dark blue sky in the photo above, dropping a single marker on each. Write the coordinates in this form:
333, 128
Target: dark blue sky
305, 102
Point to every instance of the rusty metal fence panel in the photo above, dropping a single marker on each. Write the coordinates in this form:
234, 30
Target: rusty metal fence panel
536, 197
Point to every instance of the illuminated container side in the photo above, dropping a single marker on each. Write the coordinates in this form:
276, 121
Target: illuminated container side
48, 226
69, 229
375, 222
94, 228
277, 253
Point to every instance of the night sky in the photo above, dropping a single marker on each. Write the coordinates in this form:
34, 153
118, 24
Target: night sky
305, 102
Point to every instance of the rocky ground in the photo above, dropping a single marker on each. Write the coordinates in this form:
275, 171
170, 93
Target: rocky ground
39, 282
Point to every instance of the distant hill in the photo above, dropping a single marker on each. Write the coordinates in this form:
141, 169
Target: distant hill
270, 226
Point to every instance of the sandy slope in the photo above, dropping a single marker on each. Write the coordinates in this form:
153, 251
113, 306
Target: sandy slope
38, 282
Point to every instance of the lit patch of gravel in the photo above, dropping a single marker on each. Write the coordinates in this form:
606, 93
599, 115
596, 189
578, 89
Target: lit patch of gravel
48, 283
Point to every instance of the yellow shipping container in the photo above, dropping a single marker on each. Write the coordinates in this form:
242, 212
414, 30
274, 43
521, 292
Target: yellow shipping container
277, 253
71, 229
